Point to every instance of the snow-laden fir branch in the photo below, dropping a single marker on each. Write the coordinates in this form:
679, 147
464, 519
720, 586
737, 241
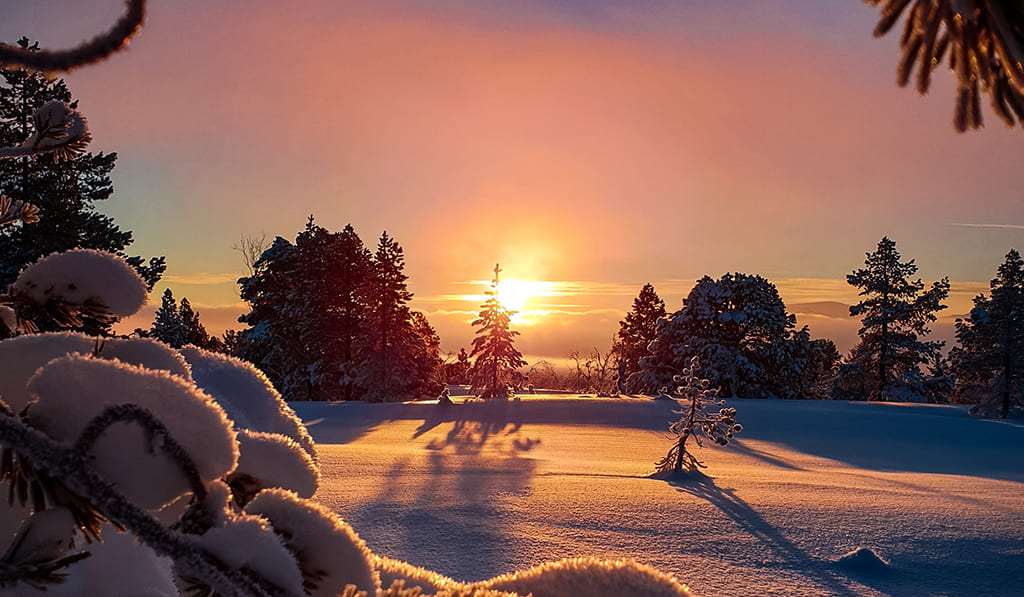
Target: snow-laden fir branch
58, 128
94, 50
70, 465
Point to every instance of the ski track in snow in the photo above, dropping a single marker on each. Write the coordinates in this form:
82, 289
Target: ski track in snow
476, 490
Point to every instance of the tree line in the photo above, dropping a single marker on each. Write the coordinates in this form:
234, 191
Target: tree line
748, 345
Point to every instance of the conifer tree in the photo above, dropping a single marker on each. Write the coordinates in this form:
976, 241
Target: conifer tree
389, 372
493, 347
194, 331
990, 357
64, 190
695, 396
167, 325
637, 331
735, 325
895, 313
307, 308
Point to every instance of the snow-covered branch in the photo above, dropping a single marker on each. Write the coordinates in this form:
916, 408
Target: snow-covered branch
94, 50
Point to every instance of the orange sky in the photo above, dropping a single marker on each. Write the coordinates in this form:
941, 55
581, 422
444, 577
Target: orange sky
577, 142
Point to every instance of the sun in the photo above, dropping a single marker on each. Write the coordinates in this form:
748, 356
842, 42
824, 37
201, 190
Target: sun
513, 294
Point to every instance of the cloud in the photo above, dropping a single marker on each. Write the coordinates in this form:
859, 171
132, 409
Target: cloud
202, 279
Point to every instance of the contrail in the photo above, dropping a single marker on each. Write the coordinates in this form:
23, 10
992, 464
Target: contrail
1006, 226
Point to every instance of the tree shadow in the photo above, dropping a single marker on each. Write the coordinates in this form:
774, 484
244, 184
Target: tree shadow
477, 425
699, 485
737, 445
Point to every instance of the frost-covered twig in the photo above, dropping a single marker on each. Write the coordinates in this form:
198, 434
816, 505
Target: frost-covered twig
695, 422
89, 52
154, 428
69, 465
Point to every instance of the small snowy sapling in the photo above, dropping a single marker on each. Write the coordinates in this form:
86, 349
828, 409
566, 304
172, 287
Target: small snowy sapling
695, 396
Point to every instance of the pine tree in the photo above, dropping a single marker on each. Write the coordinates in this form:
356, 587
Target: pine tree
734, 325
990, 357
389, 371
64, 190
637, 331
193, 330
427, 356
167, 325
493, 347
694, 396
895, 314
307, 313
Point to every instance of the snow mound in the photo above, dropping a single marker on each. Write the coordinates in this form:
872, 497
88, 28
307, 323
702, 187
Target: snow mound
411, 576
863, 560
22, 356
589, 576
329, 552
274, 460
145, 352
246, 395
81, 276
124, 454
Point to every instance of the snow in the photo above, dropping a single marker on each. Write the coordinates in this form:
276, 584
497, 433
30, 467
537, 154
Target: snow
124, 454
83, 275
247, 396
323, 542
22, 356
474, 491
276, 461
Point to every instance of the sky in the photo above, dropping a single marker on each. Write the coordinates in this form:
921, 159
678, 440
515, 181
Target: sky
594, 146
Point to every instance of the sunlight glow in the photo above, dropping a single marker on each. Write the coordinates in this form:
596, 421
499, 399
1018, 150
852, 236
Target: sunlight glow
513, 294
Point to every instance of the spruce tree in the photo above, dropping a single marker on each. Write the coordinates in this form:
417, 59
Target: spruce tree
494, 347
990, 357
167, 324
193, 330
389, 371
895, 313
65, 191
637, 331
307, 309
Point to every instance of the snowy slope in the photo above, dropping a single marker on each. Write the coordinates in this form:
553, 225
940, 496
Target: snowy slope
473, 491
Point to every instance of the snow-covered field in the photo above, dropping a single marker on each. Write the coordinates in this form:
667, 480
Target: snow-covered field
475, 490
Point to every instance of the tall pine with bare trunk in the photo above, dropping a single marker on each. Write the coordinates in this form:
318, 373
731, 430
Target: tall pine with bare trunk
895, 312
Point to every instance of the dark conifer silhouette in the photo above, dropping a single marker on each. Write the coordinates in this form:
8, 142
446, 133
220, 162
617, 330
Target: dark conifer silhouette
64, 187
895, 313
990, 357
637, 331
494, 347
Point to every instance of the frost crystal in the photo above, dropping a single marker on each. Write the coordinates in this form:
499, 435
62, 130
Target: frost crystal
330, 553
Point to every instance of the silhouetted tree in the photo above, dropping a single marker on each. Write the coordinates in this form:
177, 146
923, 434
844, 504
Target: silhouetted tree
895, 313
167, 324
637, 331
64, 190
494, 347
989, 361
306, 306
388, 368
